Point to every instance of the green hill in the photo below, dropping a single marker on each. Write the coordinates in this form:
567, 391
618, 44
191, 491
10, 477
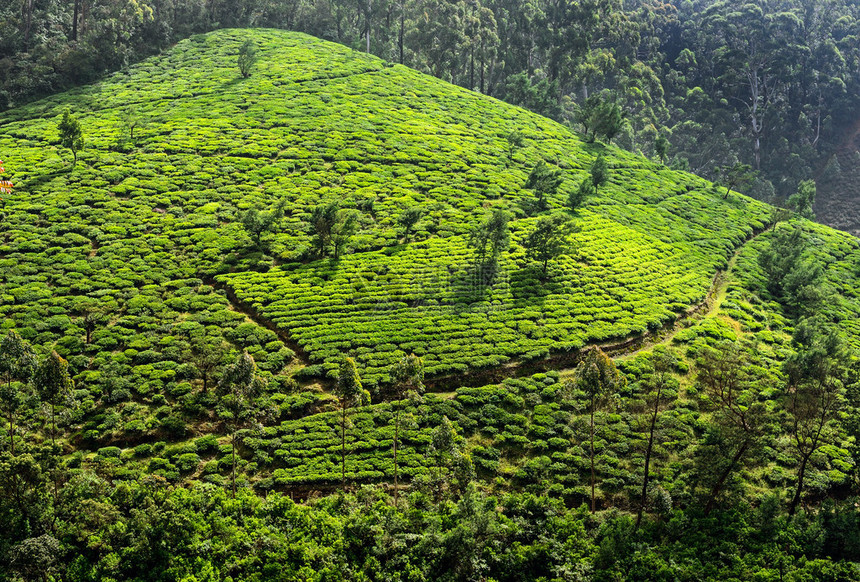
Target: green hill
318, 123
137, 254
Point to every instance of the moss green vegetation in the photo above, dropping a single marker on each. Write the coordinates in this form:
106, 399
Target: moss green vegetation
183, 237
319, 123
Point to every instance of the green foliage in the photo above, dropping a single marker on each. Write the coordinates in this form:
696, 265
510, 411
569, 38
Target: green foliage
661, 147
71, 133
599, 172
515, 142
600, 116
408, 375
256, 223
409, 218
138, 272
492, 236
544, 182
247, 58
53, 384
793, 276
332, 226
344, 228
577, 198
802, 200
549, 239
735, 176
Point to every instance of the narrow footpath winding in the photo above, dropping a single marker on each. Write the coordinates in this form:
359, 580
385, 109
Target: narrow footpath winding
562, 362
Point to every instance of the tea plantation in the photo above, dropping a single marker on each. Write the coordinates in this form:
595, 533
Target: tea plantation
136, 265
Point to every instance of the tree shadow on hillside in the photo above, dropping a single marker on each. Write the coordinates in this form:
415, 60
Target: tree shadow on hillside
530, 288
475, 283
41, 179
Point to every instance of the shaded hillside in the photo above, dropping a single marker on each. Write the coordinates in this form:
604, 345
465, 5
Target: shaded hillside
838, 202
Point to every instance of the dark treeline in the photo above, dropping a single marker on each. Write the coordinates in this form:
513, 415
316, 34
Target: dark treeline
772, 84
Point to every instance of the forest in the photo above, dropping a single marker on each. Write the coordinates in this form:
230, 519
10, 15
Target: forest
281, 308
768, 83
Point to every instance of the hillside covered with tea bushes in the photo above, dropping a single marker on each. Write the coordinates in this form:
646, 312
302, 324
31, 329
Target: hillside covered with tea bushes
253, 314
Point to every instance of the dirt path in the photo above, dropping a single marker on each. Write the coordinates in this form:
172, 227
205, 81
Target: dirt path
619, 350
563, 362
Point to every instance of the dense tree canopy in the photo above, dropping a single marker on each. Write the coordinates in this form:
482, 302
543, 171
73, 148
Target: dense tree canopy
770, 84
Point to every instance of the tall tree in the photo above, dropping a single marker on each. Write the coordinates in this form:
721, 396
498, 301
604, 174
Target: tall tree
17, 364
71, 134
207, 357
600, 380
515, 142
344, 228
802, 200
54, 385
332, 225
549, 239
409, 218
247, 58
544, 182
813, 393
736, 175
408, 380
350, 392
492, 236
661, 147
599, 171
740, 418
257, 223
660, 390
238, 384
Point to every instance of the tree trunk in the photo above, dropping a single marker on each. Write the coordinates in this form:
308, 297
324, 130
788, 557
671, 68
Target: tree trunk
77, 11
471, 69
343, 446
800, 475
643, 497
12, 432
396, 439
402, 26
28, 21
233, 472
483, 65
718, 486
592, 457
367, 24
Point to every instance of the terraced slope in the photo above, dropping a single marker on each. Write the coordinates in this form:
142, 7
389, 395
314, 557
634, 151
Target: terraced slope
143, 238
180, 146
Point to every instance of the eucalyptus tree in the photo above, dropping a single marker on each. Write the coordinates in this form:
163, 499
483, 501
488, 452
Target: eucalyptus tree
600, 380
550, 238
350, 392
18, 362
814, 392
238, 385
544, 182
740, 420
54, 385
660, 390
408, 381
